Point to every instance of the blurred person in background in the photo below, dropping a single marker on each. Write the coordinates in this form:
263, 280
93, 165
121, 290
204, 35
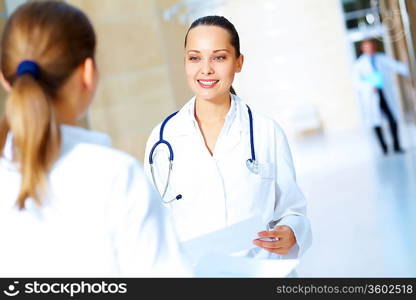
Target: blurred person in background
375, 81
70, 205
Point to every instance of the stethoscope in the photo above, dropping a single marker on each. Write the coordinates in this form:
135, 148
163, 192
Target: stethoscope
251, 163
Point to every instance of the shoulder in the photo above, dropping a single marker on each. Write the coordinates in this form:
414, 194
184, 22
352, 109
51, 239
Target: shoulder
384, 58
99, 169
266, 120
91, 150
271, 127
174, 124
99, 158
100, 154
361, 59
262, 122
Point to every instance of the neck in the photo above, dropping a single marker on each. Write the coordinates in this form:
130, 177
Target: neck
65, 113
212, 110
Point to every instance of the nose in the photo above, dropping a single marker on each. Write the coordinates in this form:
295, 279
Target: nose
206, 68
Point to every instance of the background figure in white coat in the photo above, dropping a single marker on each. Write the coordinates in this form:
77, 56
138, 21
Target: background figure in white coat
69, 204
374, 77
210, 138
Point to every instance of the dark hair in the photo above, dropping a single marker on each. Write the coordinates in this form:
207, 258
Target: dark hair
222, 22
57, 38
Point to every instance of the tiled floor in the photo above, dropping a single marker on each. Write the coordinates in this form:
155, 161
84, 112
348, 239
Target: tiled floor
362, 206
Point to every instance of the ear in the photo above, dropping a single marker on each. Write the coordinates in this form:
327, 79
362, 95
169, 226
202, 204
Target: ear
88, 73
4, 83
240, 62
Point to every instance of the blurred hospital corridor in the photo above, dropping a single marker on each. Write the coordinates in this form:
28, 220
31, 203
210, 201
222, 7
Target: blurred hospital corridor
362, 207
300, 69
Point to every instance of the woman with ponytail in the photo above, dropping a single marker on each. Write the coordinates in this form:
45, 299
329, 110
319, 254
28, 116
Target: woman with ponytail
69, 204
227, 163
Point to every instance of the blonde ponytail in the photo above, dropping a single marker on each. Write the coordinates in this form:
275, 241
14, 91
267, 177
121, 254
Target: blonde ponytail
4, 129
37, 57
36, 136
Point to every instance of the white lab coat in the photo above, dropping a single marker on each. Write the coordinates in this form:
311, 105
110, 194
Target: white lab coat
101, 217
369, 98
219, 190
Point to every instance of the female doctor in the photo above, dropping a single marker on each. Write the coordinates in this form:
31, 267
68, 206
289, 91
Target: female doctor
70, 205
229, 164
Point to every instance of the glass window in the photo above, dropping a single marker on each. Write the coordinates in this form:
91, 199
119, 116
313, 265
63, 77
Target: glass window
361, 13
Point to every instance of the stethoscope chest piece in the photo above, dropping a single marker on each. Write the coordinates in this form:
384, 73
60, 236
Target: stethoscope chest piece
253, 166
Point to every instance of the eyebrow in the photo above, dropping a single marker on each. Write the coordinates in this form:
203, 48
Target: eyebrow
215, 51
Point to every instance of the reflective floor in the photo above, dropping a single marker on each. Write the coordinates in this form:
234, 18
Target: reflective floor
362, 206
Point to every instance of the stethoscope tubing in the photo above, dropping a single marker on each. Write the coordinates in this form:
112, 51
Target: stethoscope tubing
252, 163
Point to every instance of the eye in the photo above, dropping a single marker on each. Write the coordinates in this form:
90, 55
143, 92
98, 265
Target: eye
220, 58
194, 58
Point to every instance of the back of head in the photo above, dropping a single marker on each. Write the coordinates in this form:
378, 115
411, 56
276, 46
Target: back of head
42, 44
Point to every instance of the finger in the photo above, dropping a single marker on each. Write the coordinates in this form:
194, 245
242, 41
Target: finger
279, 251
272, 233
282, 228
284, 232
275, 234
270, 245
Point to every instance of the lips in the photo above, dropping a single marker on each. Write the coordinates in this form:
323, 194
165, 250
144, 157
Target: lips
207, 84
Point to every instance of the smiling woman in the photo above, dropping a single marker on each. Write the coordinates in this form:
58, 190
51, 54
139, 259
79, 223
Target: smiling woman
231, 54
230, 164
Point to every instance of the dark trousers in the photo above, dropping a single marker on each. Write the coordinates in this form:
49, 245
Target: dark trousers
392, 122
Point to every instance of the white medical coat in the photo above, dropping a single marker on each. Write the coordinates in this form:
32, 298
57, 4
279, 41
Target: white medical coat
369, 98
101, 217
218, 190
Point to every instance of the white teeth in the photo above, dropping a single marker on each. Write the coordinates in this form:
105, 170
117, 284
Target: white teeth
208, 82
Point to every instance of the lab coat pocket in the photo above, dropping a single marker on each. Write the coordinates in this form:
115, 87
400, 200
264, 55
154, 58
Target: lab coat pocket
267, 170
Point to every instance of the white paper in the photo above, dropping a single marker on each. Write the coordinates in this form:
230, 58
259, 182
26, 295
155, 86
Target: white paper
217, 265
235, 238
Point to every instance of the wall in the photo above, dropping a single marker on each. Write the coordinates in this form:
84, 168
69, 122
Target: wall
391, 12
173, 34
138, 66
295, 55
2, 23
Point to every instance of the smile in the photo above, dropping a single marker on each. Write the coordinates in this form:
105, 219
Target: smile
207, 83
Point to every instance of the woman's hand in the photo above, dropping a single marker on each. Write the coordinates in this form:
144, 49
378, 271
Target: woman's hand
282, 239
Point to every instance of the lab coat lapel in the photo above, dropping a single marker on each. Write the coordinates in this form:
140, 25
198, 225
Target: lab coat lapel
233, 137
237, 130
366, 65
181, 124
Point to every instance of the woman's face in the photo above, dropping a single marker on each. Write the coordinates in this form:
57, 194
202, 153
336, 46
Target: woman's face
210, 62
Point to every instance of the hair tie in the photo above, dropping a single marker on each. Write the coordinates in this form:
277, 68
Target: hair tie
28, 66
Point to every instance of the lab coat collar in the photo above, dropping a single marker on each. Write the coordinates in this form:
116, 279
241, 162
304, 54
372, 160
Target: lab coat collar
231, 113
80, 135
71, 136
367, 57
184, 123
